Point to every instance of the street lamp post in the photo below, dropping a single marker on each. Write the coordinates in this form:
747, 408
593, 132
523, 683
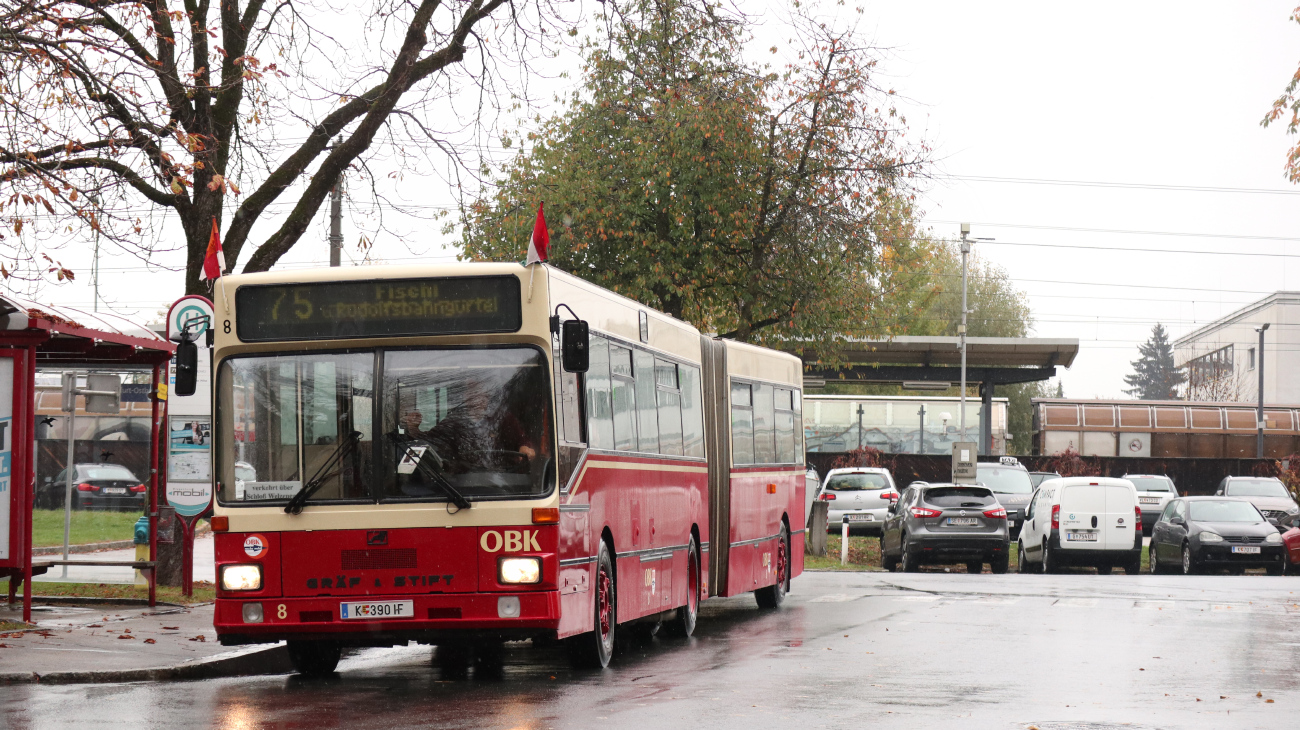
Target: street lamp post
961, 330
1259, 365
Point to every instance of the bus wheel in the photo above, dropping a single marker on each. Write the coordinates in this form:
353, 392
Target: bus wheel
314, 658
684, 624
772, 596
595, 648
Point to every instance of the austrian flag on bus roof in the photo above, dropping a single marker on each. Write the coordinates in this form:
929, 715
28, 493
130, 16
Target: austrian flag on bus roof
540, 243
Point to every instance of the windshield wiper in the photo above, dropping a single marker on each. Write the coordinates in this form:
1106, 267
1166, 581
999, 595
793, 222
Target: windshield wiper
435, 476
343, 450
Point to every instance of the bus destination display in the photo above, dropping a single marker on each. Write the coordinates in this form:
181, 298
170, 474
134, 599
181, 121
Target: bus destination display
378, 308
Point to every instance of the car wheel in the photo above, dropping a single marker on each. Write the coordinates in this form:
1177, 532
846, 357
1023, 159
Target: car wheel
1000, 565
1153, 561
910, 563
1275, 569
887, 561
1134, 567
1022, 565
1048, 565
1188, 567
974, 567
595, 648
1104, 569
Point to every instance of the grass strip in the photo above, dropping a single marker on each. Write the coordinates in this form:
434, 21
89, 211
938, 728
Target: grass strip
204, 591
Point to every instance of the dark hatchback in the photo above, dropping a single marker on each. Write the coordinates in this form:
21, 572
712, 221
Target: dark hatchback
95, 486
1199, 534
946, 523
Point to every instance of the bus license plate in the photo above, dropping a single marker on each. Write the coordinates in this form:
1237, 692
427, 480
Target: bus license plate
963, 520
373, 610
1081, 536
860, 518
1245, 550
114, 490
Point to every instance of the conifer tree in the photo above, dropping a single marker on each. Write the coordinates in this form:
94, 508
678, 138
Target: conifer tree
1154, 375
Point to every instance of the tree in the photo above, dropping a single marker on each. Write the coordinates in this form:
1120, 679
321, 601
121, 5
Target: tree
112, 111
1154, 375
762, 206
1289, 103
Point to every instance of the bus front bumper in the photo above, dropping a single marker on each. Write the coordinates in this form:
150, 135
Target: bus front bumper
505, 616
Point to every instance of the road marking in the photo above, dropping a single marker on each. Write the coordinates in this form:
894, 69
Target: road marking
1155, 605
916, 599
1076, 602
832, 598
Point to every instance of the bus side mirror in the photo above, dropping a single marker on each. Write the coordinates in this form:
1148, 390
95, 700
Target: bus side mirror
187, 367
575, 346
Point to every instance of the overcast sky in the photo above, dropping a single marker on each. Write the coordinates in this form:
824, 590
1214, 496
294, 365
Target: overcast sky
1157, 95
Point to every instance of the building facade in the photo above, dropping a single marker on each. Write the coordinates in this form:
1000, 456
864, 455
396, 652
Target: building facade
1221, 358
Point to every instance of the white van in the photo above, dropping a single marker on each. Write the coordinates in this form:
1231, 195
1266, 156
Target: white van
1086, 521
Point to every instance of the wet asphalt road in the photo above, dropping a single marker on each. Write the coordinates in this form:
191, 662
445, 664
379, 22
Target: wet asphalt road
846, 651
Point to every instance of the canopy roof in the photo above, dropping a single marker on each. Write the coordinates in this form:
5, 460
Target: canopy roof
980, 351
68, 337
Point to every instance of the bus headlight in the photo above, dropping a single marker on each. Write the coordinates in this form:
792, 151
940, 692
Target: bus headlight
519, 570
241, 577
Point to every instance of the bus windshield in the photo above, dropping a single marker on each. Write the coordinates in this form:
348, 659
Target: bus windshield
476, 419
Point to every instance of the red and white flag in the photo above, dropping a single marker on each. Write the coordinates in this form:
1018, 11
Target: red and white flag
214, 262
539, 245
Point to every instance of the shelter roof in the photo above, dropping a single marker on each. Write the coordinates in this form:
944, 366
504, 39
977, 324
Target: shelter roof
980, 351
69, 337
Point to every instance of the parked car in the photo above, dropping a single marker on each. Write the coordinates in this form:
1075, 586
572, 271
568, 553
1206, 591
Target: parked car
1291, 550
1010, 481
862, 495
1195, 534
1267, 493
946, 523
95, 486
1038, 477
1154, 492
1083, 521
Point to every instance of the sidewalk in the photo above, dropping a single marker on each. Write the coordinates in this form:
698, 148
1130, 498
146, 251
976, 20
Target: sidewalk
204, 566
78, 644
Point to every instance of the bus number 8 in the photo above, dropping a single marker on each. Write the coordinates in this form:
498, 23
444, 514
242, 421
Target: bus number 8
227, 327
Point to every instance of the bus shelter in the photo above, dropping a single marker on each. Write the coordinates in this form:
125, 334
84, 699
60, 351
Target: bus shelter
47, 337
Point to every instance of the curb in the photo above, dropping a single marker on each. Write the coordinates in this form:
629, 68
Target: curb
97, 601
238, 663
90, 547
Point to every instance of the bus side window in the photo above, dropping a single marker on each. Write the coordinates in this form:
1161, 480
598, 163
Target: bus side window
600, 413
797, 399
764, 439
670, 407
742, 423
624, 392
692, 412
647, 408
784, 405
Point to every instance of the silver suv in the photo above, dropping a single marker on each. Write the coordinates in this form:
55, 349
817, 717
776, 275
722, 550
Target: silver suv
1010, 483
946, 523
861, 495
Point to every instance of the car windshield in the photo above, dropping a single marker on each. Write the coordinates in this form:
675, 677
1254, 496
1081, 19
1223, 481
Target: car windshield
1002, 480
1256, 488
1152, 484
106, 471
1036, 478
478, 420
1225, 511
855, 482
959, 497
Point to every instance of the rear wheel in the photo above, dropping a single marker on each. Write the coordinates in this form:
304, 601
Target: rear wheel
1153, 561
974, 567
1049, 559
887, 561
772, 596
1000, 564
1022, 565
910, 562
314, 658
594, 649
684, 624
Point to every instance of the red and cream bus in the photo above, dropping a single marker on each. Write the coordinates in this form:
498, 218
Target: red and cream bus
401, 454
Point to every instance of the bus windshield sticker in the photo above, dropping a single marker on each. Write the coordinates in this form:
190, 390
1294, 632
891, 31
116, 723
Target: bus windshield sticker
270, 490
381, 308
411, 459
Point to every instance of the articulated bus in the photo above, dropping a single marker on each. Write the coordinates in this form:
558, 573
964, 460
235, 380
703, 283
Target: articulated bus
471, 454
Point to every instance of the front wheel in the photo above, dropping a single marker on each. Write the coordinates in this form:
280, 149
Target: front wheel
314, 658
595, 648
888, 562
1022, 565
684, 623
1188, 566
772, 596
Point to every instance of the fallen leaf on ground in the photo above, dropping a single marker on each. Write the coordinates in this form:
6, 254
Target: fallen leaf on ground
171, 628
95, 626
1223, 697
150, 641
200, 637
126, 636
1259, 694
1269, 701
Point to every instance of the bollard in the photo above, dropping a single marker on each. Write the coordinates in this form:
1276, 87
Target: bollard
844, 541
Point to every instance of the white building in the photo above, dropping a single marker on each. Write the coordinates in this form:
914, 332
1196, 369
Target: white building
1221, 358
